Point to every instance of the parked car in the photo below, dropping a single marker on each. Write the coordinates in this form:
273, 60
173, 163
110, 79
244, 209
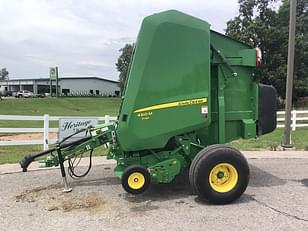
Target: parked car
24, 93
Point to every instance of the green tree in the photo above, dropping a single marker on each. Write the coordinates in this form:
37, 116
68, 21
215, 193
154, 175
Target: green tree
4, 74
123, 64
259, 25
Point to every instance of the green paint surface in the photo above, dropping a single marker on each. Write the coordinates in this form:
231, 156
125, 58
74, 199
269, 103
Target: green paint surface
177, 58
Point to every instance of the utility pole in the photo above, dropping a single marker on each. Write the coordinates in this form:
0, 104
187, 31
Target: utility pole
292, 23
57, 83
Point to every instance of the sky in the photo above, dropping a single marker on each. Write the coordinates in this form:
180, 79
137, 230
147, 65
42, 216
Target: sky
83, 37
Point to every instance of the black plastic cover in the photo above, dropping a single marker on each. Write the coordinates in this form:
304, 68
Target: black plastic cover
267, 109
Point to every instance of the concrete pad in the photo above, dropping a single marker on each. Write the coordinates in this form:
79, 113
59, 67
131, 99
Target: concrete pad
276, 199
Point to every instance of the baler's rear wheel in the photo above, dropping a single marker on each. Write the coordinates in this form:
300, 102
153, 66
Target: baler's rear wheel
219, 174
136, 179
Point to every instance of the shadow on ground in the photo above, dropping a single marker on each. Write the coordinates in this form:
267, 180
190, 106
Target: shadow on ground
261, 178
180, 188
97, 182
305, 182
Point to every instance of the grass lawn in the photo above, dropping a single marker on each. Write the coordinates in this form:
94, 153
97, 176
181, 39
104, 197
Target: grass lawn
74, 106
273, 140
66, 106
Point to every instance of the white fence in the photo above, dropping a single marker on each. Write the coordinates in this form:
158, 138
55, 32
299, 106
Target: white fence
45, 130
299, 119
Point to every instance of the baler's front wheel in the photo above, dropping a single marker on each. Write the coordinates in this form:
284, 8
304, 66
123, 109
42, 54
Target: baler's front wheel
219, 174
136, 179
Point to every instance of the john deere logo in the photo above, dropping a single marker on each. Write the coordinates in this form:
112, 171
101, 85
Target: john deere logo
53, 72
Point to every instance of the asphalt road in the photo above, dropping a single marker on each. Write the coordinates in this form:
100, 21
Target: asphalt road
276, 199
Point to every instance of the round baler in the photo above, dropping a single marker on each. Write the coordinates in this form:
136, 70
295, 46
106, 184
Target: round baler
189, 91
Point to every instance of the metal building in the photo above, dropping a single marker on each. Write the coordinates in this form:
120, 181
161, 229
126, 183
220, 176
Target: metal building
76, 86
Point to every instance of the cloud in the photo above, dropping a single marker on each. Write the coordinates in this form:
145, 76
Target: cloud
84, 37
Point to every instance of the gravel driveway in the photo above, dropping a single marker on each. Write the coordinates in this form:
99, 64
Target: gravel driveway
276, 199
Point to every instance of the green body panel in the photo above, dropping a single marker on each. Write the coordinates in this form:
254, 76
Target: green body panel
234, 97
171, 63
178, 59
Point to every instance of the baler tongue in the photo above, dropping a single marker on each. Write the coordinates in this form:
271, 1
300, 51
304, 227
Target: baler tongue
70, 151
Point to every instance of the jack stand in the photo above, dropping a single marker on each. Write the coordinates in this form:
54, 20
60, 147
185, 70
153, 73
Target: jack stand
66, 189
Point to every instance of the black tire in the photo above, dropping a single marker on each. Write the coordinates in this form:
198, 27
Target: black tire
209, 159
140, 171
197, 157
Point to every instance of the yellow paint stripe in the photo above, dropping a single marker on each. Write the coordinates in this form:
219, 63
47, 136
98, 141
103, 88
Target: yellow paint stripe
172, 104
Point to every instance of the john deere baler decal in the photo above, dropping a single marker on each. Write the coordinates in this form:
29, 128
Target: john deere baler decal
172, 104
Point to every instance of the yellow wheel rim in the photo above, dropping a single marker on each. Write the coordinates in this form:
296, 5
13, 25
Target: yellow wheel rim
223, 177
136, 180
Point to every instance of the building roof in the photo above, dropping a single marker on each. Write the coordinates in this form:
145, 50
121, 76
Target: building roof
62, 77
88, 77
